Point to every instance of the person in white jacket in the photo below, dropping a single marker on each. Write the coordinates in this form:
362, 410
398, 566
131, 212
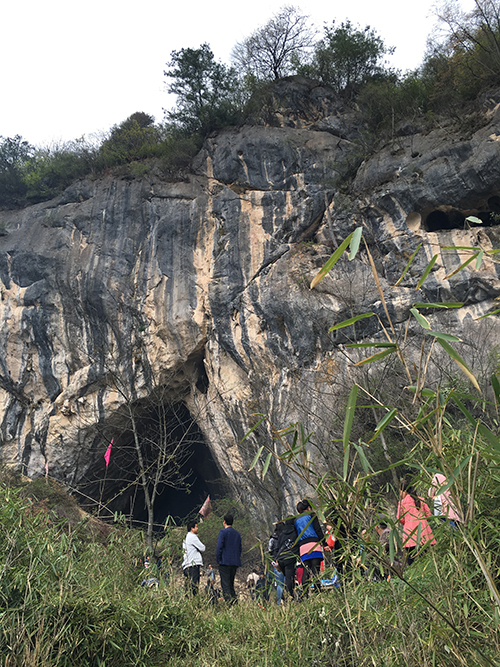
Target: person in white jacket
192, 547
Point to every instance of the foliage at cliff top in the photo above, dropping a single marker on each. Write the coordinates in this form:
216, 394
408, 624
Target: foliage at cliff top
210, 95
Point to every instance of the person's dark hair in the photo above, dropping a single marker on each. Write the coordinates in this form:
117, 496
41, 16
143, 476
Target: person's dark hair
307, 504
301, 507
191, 524
229, 519
279, 527
410, 490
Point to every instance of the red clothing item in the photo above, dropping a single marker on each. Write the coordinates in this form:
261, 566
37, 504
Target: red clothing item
330, 539
412, 518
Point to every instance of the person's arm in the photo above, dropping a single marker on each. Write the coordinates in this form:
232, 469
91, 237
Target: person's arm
198, 543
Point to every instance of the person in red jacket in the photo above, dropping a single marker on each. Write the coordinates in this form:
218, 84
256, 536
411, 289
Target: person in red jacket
413, 513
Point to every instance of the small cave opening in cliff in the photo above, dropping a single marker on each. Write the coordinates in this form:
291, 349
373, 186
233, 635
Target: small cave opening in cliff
175, 457
448, 217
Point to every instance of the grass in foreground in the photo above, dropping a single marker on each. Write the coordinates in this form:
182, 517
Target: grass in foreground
67, 600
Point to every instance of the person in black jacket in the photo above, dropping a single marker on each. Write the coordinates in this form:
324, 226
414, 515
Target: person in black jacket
288, 552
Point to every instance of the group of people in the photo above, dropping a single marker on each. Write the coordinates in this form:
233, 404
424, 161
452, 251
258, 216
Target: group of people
228, 555
298, 545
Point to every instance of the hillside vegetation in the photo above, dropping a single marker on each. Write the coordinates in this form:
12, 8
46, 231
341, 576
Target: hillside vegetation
347, 60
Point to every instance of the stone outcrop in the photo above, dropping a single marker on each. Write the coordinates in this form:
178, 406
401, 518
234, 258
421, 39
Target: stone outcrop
202, 286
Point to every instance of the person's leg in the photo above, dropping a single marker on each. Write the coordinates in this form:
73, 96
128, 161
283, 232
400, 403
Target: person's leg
280, 580
314, 565
232, 575
225, 581
290, 578
306, 581
194, 575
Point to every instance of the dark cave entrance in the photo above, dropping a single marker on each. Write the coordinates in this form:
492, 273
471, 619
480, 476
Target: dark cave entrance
447, 217
190, 473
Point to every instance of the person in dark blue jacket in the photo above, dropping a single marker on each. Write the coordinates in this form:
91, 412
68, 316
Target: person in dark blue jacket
228, 558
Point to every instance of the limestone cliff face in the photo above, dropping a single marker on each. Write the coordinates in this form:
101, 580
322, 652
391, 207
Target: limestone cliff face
203, 286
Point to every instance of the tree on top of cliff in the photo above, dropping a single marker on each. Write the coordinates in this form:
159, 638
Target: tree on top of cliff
208, 92
269, 51
473, 37
14, 153
130, 140
347, 57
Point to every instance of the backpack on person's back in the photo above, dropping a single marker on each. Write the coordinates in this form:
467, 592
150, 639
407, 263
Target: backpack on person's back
288, 549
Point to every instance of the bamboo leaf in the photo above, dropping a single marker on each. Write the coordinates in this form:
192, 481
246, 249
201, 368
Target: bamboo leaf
493, 312
330, 263
423, 321
350, 321
253, 428
419, 533
459, 361
462, 266
428, 269
457, 472
354, 245
444, 336
266, 464
385, 421
345, 467
377, 356
408, 265
349, 417
449, 304
425, 392
496, 387
392, 550
362, 457
257, 457
484, 430
474, 220
479, 259
461, 247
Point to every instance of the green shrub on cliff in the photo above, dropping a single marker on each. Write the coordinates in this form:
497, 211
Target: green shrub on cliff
14, 153
208, 92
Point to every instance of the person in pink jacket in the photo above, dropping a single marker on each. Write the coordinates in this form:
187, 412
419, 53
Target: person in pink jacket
413, 513
443, 502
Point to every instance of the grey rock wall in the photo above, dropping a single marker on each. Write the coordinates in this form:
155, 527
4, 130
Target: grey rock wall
204, 285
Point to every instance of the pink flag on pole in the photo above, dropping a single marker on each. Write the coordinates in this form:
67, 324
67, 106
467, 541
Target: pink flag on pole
107, 455
206, 508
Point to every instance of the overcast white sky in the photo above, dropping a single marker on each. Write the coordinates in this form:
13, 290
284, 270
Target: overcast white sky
74, 69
